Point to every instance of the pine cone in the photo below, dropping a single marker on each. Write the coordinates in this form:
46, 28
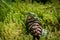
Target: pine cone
34, 26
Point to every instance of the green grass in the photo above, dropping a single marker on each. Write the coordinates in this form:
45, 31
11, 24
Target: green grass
13, 15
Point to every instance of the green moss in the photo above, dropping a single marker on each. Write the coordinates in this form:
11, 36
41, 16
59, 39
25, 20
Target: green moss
13, 17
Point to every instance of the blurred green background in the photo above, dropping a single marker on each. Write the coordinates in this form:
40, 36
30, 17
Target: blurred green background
13, 15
